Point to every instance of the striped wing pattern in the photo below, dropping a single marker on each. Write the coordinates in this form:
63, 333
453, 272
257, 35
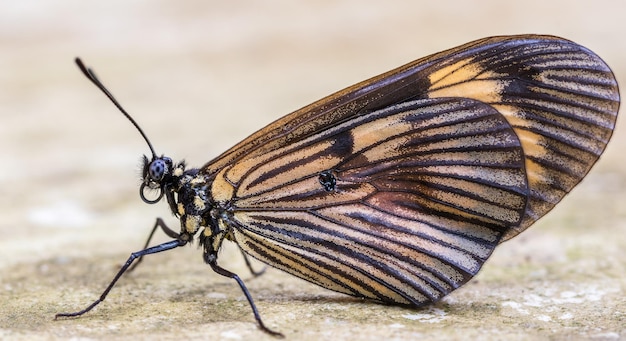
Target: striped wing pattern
436, 162
561, 99
425, 190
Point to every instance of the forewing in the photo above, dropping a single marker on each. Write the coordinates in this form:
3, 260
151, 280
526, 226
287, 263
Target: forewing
561, 99
424, 191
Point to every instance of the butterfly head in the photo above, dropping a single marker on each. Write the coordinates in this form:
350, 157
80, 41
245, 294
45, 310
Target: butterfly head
156, 175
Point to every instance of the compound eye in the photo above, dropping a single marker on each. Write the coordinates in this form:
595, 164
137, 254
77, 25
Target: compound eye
157, 170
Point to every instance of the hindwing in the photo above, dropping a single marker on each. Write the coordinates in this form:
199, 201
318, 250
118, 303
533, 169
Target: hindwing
423, 191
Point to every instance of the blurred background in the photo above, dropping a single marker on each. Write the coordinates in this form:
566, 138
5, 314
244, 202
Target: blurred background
199, 76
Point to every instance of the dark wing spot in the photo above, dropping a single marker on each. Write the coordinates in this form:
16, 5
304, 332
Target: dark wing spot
328, 180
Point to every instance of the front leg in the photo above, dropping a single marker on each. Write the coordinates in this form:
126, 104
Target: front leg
159, 223
135, 255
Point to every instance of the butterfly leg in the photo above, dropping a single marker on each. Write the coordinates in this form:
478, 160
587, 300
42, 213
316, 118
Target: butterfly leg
249, 265
135, 255
168, 231
218, 269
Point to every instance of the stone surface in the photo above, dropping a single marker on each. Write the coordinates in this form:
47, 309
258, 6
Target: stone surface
199, 77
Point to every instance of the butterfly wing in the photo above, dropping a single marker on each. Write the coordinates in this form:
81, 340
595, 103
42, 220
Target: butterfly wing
399, 188
422, 191
560, 98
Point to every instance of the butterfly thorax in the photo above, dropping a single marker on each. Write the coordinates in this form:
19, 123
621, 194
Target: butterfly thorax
190, 199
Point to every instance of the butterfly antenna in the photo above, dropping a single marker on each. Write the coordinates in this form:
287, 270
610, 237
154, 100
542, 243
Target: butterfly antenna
94, 79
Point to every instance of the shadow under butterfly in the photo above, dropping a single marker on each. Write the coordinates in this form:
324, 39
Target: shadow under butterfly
398, 188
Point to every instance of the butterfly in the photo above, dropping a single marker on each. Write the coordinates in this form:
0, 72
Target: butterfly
399, 188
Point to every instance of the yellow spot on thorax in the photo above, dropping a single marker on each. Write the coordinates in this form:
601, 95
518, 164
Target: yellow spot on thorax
192, 223
198, 203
